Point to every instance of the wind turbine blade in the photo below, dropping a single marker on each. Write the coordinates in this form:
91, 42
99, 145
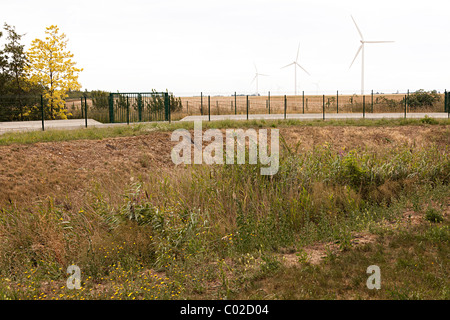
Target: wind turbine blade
303, 69
290, 64
298, 51
357, 52
359, 31
378, 41
255, 67
254, 79
265, 75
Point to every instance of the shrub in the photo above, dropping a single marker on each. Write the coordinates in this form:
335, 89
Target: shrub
422, 98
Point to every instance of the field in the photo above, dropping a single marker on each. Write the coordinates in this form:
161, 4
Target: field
348, 194
299, 104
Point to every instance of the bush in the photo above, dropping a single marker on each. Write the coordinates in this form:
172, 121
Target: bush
422, 98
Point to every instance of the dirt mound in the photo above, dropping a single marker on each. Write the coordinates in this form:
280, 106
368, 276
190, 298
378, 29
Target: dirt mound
35, 171
41, 169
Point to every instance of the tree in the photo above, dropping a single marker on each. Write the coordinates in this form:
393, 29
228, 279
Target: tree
15, 101
51, 66
17, 60
3, 68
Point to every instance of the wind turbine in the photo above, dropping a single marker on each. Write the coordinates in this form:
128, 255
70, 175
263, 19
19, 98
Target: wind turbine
296, 64
361, 49
317, 84
256, 78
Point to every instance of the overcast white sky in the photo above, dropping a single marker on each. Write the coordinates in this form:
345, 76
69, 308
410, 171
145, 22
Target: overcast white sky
211, 46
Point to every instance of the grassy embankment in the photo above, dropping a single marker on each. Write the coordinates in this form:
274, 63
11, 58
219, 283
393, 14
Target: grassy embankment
208, 232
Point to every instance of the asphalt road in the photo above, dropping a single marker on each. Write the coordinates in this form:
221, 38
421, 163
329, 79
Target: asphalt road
48, 124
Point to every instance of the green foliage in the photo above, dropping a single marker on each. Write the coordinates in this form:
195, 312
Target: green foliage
433, 215
389, 103
428, 120
15, 89
352, 172
100, 99
422, 98
157, 102
13, 61
175, 103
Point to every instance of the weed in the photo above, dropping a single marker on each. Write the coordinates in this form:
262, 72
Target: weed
433, 215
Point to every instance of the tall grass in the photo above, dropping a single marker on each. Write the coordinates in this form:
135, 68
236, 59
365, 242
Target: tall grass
201, 223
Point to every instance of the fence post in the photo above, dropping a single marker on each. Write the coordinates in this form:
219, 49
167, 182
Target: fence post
247, 107
139, 98
201, 103
128, 111
42, 112
447, 95
85, 112
405, 107
337, 101
303, 103
235, 105
323, 107
209, 109
364, 107
187, 107
168, 107
269, 101
372, 102
81, 107
445, 100
167, 115
407, 99
111, 107
285, 106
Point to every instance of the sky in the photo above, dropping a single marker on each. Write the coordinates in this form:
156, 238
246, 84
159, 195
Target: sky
207, 46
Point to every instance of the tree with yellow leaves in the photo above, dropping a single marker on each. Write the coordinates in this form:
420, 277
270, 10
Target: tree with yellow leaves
51, 66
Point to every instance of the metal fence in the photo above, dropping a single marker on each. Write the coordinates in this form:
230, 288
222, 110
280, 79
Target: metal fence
20, 107
138, 107
109, 108
156, 106
307, 104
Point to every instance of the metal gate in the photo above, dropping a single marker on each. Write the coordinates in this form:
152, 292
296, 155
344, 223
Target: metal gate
138, 107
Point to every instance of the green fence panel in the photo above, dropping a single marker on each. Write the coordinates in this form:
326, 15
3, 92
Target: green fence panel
126, 107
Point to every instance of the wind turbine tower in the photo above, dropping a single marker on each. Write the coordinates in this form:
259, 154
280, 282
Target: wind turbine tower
296, 64
361, 49
256, 78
